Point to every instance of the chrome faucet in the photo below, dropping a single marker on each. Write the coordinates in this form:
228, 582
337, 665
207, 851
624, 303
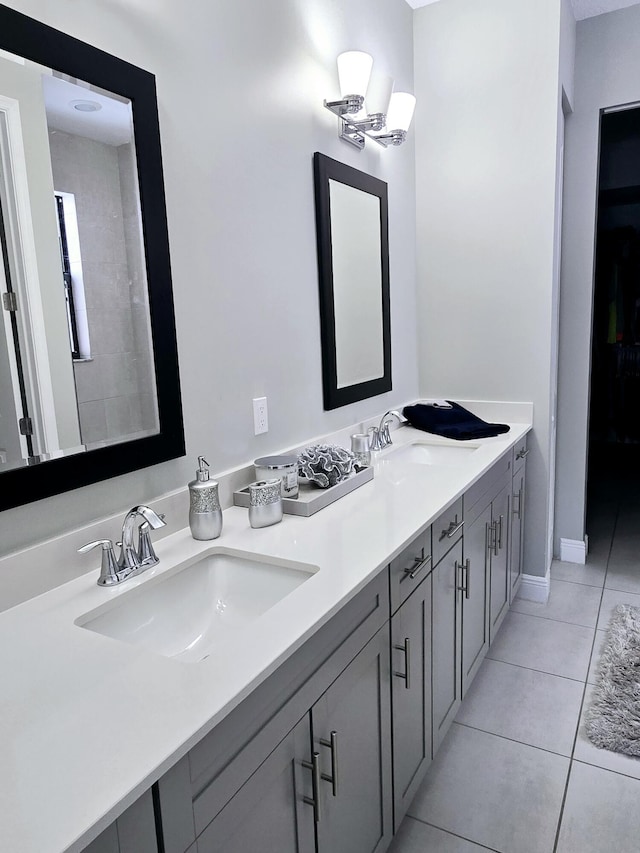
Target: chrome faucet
380, 436
133, 559
130, 556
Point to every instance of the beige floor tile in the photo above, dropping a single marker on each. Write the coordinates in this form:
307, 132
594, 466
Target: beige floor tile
493, 791
417, 837
575, 603
525, 705
554, 647
601, 812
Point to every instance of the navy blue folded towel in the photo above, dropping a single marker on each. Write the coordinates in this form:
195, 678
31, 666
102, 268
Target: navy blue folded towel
455, 422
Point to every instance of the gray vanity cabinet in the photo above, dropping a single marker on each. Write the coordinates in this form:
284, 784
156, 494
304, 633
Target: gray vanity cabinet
499, 557
133, 832
516, 542
348, 729
269, 812
474, 583
446, 635
411, 696
352, 732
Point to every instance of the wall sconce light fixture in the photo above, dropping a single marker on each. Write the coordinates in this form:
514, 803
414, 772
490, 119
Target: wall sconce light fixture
387, 126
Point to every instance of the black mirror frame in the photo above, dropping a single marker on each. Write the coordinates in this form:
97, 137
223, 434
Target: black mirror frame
325, 169
40, 43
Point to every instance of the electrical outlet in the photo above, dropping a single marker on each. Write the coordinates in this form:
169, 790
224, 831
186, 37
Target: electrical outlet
260, 417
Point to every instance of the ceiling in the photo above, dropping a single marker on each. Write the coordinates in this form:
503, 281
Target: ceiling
581, 8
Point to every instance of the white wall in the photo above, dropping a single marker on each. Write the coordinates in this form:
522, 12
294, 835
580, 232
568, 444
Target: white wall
606, 75
240, 92
23, 83
487, 81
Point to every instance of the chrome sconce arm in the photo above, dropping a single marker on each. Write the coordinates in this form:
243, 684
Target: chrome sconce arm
349, 105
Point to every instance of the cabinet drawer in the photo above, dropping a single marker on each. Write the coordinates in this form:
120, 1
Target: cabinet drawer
447, 530
520, 453
409, 569
488, 485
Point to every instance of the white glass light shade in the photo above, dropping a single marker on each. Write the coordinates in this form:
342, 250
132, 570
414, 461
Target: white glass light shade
401, 107
354, 70
379, 93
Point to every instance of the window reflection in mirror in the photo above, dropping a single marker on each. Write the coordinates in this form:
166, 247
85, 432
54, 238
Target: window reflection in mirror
76, 358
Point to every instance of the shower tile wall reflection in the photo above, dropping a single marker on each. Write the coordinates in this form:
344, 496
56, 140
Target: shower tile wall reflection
115, 389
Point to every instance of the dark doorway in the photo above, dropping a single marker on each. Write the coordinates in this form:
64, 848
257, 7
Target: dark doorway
614, 415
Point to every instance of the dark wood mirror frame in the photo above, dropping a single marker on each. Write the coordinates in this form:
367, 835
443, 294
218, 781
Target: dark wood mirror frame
326, 169
35, 41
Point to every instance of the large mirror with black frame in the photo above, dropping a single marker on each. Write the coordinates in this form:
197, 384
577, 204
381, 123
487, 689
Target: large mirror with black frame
89, 384
353, 265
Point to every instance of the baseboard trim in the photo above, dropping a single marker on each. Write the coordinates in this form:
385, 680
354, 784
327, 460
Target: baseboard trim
535, 588
573, 551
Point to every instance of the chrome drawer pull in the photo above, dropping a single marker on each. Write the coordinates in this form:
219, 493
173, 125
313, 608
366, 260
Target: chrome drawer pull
453, 528
314, 800
406, 648
417, 569
522, 453
333, 746
500, 534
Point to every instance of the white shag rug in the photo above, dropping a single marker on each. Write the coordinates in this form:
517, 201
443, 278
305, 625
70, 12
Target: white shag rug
613, 719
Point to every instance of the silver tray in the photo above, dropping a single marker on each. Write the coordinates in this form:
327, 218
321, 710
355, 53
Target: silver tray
311, 498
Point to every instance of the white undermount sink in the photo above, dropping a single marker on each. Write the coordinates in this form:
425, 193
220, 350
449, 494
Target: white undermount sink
434, 453
188, 612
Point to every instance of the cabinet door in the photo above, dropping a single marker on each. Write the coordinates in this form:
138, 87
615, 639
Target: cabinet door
446, 637
475, 632
352, 732
411, 696
499, 560
269, 812
516, 533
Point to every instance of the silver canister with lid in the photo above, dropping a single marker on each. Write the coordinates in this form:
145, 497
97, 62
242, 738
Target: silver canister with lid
283, 467
265, 503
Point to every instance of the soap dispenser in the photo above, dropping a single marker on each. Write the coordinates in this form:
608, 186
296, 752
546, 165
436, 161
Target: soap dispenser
205, 514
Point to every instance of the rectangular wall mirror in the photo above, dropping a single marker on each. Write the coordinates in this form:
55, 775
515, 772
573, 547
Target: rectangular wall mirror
353, 266
89, 383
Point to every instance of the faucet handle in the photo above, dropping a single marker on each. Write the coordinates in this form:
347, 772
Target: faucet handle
146, 553
108, 566
375, 443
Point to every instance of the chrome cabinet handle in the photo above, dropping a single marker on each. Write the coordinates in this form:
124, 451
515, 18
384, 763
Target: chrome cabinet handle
452, 529
517, 511
421, 564
406, 648
314, 800
522, 453
466, 573
500, 534
332, 744
492, 537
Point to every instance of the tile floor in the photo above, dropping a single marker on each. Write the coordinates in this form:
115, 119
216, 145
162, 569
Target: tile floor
516, 773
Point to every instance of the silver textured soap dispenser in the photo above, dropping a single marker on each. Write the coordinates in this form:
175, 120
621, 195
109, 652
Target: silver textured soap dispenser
205, 514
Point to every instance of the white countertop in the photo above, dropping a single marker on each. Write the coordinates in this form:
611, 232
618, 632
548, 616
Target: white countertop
89, 723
